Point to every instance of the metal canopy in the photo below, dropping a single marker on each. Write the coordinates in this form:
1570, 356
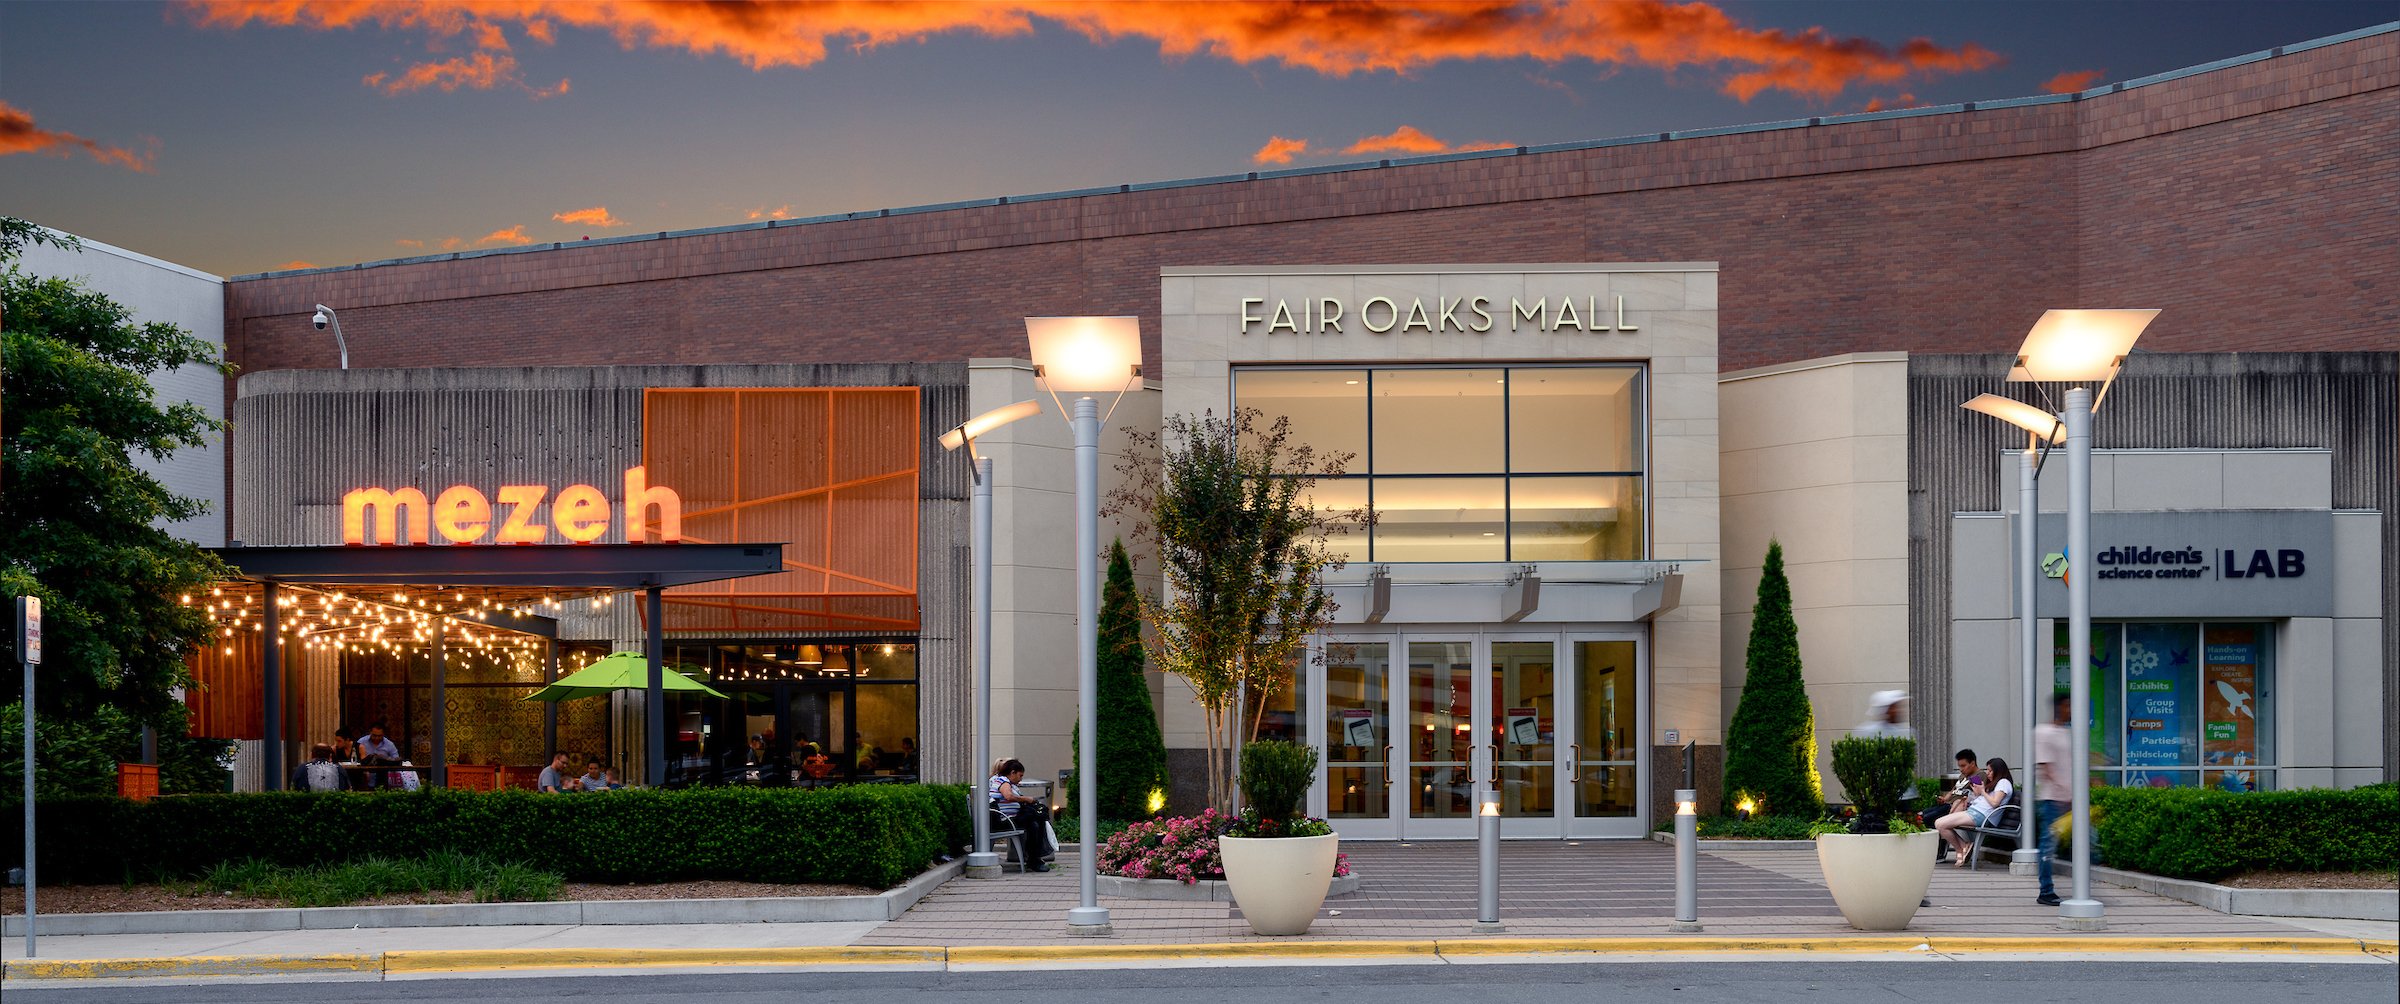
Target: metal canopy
557, 566
649, 568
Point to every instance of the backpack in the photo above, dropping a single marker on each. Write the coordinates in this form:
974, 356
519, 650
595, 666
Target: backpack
322, 775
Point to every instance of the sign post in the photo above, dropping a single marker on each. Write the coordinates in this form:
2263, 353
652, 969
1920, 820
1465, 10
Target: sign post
29, 653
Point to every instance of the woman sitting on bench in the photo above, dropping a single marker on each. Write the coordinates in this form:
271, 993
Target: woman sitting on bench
1029, 814
1985, 796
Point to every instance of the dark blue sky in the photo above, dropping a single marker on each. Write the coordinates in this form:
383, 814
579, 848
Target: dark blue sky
235, 138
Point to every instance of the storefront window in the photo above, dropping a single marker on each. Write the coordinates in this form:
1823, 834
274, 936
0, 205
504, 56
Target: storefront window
822, 712
1477, 464
2179, 704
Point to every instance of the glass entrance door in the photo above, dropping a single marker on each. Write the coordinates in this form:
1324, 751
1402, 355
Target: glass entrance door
1607, 716
1412, 726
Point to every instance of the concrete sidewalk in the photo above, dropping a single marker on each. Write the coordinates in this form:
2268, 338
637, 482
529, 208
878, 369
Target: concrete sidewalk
1581, 900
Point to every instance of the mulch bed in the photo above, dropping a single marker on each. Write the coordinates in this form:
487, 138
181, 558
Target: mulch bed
124, 898
2315, 880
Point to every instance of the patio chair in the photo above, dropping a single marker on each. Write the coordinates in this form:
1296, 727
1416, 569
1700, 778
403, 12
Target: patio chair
1004, 827
2002, 827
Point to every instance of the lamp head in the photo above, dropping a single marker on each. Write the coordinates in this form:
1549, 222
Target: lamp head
1687, 802
2017, 413
2079, 346
1085, 354
975, 428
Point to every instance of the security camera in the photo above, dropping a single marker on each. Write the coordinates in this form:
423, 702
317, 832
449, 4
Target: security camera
320, 320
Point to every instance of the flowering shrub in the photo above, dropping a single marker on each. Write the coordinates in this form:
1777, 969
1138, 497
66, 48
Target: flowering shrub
1184, 848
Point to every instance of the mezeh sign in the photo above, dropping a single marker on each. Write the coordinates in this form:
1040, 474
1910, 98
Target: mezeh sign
2216, 563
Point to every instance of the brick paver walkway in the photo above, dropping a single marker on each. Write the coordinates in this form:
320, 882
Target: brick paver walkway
1547, 889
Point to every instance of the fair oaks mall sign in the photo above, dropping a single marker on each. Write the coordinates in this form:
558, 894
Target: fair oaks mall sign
1381, 315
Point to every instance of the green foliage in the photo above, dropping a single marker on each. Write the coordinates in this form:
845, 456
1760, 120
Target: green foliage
1070, 829
79, 522
79, 756
1275, 776
369, 878
871, 835
1876, 772
1753, 828
1771, 747
1129, 741
2209, 834
1225, 504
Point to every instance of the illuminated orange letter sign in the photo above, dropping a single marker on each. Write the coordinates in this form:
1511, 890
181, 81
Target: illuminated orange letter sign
462, 514
387, 507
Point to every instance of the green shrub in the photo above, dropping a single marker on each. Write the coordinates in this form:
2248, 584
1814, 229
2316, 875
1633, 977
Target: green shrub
1754, 828
1771, 746
1878, 774
871, 835
2208, 834
1129, 742
1275, 776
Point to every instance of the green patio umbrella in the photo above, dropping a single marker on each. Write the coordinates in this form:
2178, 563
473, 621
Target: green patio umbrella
614, 672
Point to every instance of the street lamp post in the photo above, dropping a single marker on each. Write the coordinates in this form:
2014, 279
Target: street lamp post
1086, 355
981, 862
2041, 427
2079, 347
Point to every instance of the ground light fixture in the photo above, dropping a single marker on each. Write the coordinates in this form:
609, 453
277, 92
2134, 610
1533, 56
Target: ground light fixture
327, 319
1487, 859
1687, 862
1086, 356
981, 862
2080, 347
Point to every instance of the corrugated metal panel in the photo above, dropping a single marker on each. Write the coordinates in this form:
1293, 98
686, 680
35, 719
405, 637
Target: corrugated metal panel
2346, 402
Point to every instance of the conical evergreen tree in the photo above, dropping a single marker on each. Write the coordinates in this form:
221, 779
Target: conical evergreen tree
1133, 755
1771, 750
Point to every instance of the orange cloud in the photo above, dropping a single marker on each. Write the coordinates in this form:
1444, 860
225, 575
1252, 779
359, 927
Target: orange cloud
782, 212
2072, 81
409, 243
1279, 150
481, 71
293, 264
1336, 38
1410, 141
512, 235
18, 134
596, 216
1903, 101
454, 243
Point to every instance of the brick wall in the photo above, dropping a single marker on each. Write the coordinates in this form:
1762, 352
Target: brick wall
2258, 193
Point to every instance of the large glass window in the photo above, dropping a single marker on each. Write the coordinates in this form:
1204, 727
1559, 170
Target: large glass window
1518, 463
2179, 704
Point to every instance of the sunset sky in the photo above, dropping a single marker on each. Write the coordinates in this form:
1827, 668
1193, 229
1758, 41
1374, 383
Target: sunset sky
241, 137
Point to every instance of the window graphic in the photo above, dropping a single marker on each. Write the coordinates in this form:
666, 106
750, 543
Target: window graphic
2180, 704
829, 472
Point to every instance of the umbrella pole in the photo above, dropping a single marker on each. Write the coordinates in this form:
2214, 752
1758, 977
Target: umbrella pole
654, 704
441, 718
550, 708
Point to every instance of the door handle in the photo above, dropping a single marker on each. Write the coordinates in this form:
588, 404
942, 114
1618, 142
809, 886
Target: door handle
1495, 748
1387, 765
1576, 763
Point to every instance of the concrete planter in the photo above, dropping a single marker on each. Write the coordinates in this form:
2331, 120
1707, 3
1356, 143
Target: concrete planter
1877, 878
1279, 882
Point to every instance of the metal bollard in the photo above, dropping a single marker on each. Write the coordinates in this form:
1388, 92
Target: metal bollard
1487, 848
1687, 862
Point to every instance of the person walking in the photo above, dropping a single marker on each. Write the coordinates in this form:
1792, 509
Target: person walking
2053, 798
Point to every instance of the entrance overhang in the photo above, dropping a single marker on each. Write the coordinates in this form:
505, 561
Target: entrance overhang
1570, 592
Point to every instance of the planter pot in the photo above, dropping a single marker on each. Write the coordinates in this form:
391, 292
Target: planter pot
1279, 882
1877, 878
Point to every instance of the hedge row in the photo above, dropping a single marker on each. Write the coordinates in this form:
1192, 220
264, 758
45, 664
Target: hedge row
2209, 834
871, 835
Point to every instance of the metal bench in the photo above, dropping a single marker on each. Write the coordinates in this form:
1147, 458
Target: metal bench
1004, 827
2002, 827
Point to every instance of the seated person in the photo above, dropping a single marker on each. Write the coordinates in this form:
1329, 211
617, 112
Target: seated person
378, 750
595, 778
320, 773
1029, 814
816, 765
554, 777
1953, 801
1983, 802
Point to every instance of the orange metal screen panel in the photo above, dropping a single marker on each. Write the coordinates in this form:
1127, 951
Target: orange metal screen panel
829, 472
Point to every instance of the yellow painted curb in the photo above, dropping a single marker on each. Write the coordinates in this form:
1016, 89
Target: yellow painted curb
468, 960
989, 954
1649, 945
198, 965
2091, 943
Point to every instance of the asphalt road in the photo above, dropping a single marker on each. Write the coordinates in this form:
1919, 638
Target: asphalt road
1822, 982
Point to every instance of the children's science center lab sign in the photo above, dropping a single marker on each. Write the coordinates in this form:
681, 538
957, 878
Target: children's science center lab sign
513, 514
